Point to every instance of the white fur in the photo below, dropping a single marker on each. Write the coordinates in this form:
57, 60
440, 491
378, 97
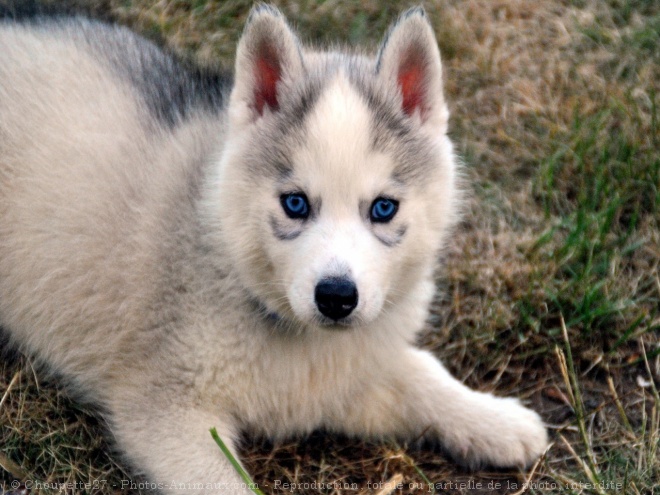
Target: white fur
142, 294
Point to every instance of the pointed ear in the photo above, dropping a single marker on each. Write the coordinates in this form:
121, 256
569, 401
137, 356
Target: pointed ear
409, 57
267, 53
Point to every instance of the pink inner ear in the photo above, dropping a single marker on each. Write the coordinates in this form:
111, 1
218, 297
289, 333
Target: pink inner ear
267, 74
411, 83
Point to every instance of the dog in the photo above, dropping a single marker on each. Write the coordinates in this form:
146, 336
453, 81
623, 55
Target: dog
188, 250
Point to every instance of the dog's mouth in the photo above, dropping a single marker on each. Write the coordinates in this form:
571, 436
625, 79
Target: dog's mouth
340, 325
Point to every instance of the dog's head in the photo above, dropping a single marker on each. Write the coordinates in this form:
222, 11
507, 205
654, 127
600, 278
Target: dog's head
337, 181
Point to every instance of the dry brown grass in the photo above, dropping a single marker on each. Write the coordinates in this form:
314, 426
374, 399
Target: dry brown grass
554, 109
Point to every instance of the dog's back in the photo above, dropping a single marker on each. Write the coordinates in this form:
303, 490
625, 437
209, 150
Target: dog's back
86, 102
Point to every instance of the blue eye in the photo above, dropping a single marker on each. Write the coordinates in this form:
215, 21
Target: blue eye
383, 210
295, 205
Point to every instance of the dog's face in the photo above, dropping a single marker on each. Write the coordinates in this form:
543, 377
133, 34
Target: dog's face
337, 182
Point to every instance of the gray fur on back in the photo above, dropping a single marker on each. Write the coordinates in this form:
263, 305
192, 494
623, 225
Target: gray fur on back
170, 87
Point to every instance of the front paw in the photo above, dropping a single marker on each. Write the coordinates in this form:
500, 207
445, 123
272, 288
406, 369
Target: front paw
497, 432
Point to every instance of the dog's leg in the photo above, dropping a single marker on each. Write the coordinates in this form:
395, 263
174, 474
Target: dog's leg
415, 396
174, 449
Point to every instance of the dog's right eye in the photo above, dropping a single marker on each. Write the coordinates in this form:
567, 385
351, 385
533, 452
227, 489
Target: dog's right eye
295, 205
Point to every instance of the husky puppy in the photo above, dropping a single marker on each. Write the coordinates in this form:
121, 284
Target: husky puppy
188, 252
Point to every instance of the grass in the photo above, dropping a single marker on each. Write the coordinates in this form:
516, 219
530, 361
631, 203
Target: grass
596, 190
550, 288
234, 462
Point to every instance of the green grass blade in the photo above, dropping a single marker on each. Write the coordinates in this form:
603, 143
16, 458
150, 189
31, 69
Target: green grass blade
234, 462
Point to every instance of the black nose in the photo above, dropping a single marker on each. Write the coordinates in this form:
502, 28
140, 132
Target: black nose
336, 297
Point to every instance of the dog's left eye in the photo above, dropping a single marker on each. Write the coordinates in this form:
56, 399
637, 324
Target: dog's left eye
295, 205
383, 210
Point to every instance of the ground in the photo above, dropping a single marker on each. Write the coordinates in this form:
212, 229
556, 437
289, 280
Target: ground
550, 287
